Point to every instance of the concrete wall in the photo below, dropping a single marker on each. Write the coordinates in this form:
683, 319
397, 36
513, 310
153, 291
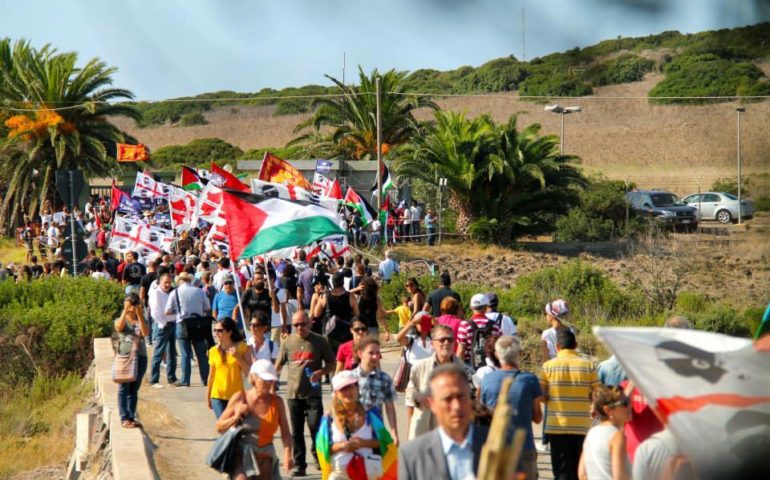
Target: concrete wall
130, 454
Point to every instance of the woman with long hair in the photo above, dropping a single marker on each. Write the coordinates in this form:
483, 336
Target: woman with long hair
349, 435
372, 312
262, 412
132, 329
604, 454
417, 295
320, 285
229, 360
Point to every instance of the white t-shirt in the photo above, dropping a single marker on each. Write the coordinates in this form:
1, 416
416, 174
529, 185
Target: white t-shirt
264, 352
416, 213
507, 326
653, 455
275, 320
549, 336
340, 460
59, 218
418, 351
100, 275
53, 236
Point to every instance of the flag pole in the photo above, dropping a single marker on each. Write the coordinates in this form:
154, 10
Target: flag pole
379, 152
236, 282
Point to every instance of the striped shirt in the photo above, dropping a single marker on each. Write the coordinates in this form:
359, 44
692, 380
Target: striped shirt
465, 332
567, 381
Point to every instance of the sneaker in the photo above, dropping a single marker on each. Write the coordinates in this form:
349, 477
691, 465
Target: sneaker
542, 448
156, 385
179, 384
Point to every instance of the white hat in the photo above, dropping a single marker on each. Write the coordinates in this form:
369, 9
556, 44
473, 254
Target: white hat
479, 300
343, 379
264, 369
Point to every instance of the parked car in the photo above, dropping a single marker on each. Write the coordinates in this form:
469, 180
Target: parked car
664, 207
719, 206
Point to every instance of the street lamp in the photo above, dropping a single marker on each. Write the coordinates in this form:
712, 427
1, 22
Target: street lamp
740, 110
562, 111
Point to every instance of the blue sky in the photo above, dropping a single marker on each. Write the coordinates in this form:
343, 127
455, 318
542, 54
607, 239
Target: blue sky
171, 48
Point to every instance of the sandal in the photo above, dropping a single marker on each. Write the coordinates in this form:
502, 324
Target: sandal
136, 424
128, 424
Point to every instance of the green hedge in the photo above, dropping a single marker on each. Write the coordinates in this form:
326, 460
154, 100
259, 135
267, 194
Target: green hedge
49, 324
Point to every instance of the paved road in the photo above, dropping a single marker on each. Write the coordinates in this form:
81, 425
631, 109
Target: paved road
181, 427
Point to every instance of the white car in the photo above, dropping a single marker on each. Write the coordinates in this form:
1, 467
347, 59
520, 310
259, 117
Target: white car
719, 206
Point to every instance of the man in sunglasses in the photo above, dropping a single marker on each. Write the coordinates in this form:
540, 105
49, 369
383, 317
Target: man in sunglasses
307, 357
421, 419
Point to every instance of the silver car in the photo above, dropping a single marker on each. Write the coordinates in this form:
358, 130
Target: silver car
719, 206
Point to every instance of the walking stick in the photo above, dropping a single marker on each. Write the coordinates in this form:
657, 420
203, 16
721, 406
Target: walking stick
499, 459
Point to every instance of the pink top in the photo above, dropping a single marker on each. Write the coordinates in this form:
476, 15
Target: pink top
450, 321
346, 356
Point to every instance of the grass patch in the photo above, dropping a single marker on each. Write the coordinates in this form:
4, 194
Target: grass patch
36, 422
9, 252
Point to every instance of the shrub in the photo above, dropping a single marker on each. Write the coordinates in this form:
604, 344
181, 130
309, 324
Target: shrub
623, 69
730, 185
486, 231
198, 153
762, 204
47, 326
555, 84
600, 216
722, 319
191, 119
292, 106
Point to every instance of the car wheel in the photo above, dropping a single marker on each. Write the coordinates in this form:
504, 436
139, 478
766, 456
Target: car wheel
724, 216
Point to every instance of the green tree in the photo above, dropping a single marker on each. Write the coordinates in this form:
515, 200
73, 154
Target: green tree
345, 126
56, 114
513, 181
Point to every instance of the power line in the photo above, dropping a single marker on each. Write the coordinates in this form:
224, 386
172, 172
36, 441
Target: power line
508, 96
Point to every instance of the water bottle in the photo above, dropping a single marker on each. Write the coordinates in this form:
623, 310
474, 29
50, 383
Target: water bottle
308, 374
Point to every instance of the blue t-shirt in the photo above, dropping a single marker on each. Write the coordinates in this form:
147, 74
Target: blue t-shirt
224, 304
524, 390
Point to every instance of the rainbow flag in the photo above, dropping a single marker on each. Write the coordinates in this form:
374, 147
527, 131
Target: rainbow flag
388, 450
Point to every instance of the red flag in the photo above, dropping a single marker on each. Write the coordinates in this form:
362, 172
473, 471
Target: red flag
229, 180
335, 191
115, 196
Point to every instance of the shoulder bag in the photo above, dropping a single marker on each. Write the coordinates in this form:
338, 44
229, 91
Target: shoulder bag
195, 327
403, 371
220, 457
125, 366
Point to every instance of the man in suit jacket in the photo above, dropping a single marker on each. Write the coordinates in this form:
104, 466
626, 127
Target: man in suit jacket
453, 449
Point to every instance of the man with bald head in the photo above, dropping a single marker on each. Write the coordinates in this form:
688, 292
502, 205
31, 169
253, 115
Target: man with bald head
307, 357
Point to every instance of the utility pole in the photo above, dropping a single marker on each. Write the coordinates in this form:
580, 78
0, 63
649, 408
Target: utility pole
379, 151
740, 111
523, 36
73, 232
441, 185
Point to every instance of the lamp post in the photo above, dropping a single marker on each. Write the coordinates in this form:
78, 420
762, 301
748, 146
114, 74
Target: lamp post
441, 186
562, 111
740, 111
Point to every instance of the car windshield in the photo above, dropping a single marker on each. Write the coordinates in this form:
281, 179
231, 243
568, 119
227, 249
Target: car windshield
664, 199
730, 196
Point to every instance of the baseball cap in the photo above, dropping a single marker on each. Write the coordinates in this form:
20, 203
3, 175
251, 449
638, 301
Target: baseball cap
227, 278
343, 379
264, 369
479, 300
493, 300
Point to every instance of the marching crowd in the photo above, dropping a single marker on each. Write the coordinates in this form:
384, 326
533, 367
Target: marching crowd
322, 320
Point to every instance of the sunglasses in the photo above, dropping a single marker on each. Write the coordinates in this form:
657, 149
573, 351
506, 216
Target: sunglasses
219, 330
360, 329
228, 283
297, 325
445, 339
254, 325
620, 403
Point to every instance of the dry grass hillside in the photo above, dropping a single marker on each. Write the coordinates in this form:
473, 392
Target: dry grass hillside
618, 133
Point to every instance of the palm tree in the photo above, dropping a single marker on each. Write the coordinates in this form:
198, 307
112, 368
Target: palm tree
56, 118
495, 171
345, 126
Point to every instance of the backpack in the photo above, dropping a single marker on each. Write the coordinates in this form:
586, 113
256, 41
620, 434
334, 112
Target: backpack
479, 337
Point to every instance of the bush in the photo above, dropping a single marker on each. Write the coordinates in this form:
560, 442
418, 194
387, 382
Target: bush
555, 84
191, 119
47, 326
623, 69
730, 185
486, 231
198, 153
600, 216
762, 204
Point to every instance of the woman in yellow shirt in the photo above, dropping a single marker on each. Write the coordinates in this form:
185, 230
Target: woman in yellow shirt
229, 360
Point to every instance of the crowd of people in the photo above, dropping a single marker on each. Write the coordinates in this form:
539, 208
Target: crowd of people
322, 320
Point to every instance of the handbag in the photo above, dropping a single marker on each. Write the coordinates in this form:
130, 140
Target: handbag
125, 366
220, 457
403, 371
195, 327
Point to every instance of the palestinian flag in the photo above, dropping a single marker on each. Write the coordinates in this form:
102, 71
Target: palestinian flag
191, 180
273, 224
335, 191
353, 199
764, 325
387, 183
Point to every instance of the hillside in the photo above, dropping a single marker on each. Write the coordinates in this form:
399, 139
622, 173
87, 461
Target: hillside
624, 130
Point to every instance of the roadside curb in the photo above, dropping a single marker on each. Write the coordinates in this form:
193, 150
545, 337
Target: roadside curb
130, 459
